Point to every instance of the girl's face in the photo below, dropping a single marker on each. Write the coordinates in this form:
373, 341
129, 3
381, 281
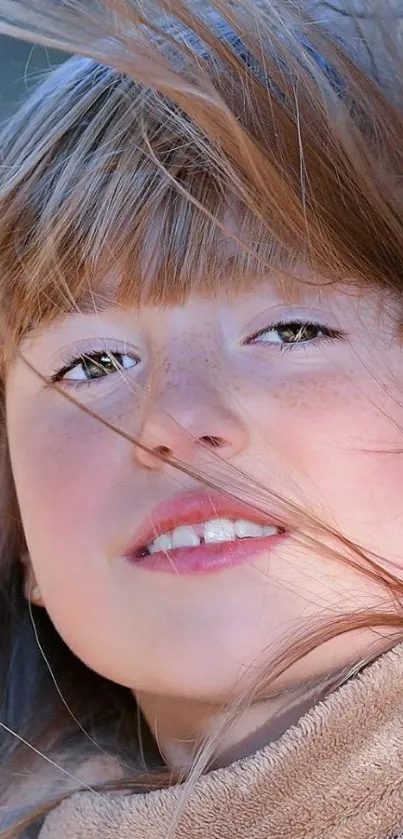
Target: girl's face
304, 397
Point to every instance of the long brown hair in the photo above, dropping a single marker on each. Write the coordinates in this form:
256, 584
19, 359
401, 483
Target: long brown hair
169, 112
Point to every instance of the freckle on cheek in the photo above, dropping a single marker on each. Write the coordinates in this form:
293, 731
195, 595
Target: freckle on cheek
324, 394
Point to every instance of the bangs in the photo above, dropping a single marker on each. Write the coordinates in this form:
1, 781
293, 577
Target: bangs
113, 184
128, 199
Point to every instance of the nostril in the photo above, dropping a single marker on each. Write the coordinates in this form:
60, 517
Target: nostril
213, 442
163, 450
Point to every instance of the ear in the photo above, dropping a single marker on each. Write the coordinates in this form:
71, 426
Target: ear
29, 576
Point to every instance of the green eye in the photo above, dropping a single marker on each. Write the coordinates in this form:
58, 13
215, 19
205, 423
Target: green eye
289, 333
96, 365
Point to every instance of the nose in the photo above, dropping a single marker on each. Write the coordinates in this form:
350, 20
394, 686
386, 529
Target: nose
180, 431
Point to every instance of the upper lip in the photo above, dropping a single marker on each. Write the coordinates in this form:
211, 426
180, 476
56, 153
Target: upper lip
190, 508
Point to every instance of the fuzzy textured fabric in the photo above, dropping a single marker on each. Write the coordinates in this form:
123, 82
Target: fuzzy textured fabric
337, 773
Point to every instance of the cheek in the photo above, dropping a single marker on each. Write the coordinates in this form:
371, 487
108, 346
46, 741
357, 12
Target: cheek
63, 471
67, 480
335, 439
63, 459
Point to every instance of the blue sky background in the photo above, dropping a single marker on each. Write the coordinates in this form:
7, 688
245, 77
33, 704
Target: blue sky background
21, 67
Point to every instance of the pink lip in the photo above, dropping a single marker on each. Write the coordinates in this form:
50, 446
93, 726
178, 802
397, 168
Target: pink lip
191, 508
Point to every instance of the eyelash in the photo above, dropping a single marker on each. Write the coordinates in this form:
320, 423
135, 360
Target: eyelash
71, 363
328, 335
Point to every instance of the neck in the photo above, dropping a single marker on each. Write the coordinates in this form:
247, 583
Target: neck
180, 727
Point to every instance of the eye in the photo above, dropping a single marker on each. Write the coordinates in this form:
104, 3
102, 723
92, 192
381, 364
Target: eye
287, 334
96, 365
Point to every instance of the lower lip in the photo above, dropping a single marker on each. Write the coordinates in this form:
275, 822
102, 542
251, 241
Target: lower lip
207, 559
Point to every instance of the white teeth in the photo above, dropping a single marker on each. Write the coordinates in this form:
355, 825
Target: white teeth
219, 530
247, 528
270, 531
215, 530
163, 543
183, 537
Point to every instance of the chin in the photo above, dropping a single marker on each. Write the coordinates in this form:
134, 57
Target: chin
203, 686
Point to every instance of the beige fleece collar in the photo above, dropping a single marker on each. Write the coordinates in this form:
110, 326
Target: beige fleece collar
337, 773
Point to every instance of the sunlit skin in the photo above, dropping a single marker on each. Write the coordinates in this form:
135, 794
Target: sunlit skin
317, 423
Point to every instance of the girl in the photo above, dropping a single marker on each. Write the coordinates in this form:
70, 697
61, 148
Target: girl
201, 249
